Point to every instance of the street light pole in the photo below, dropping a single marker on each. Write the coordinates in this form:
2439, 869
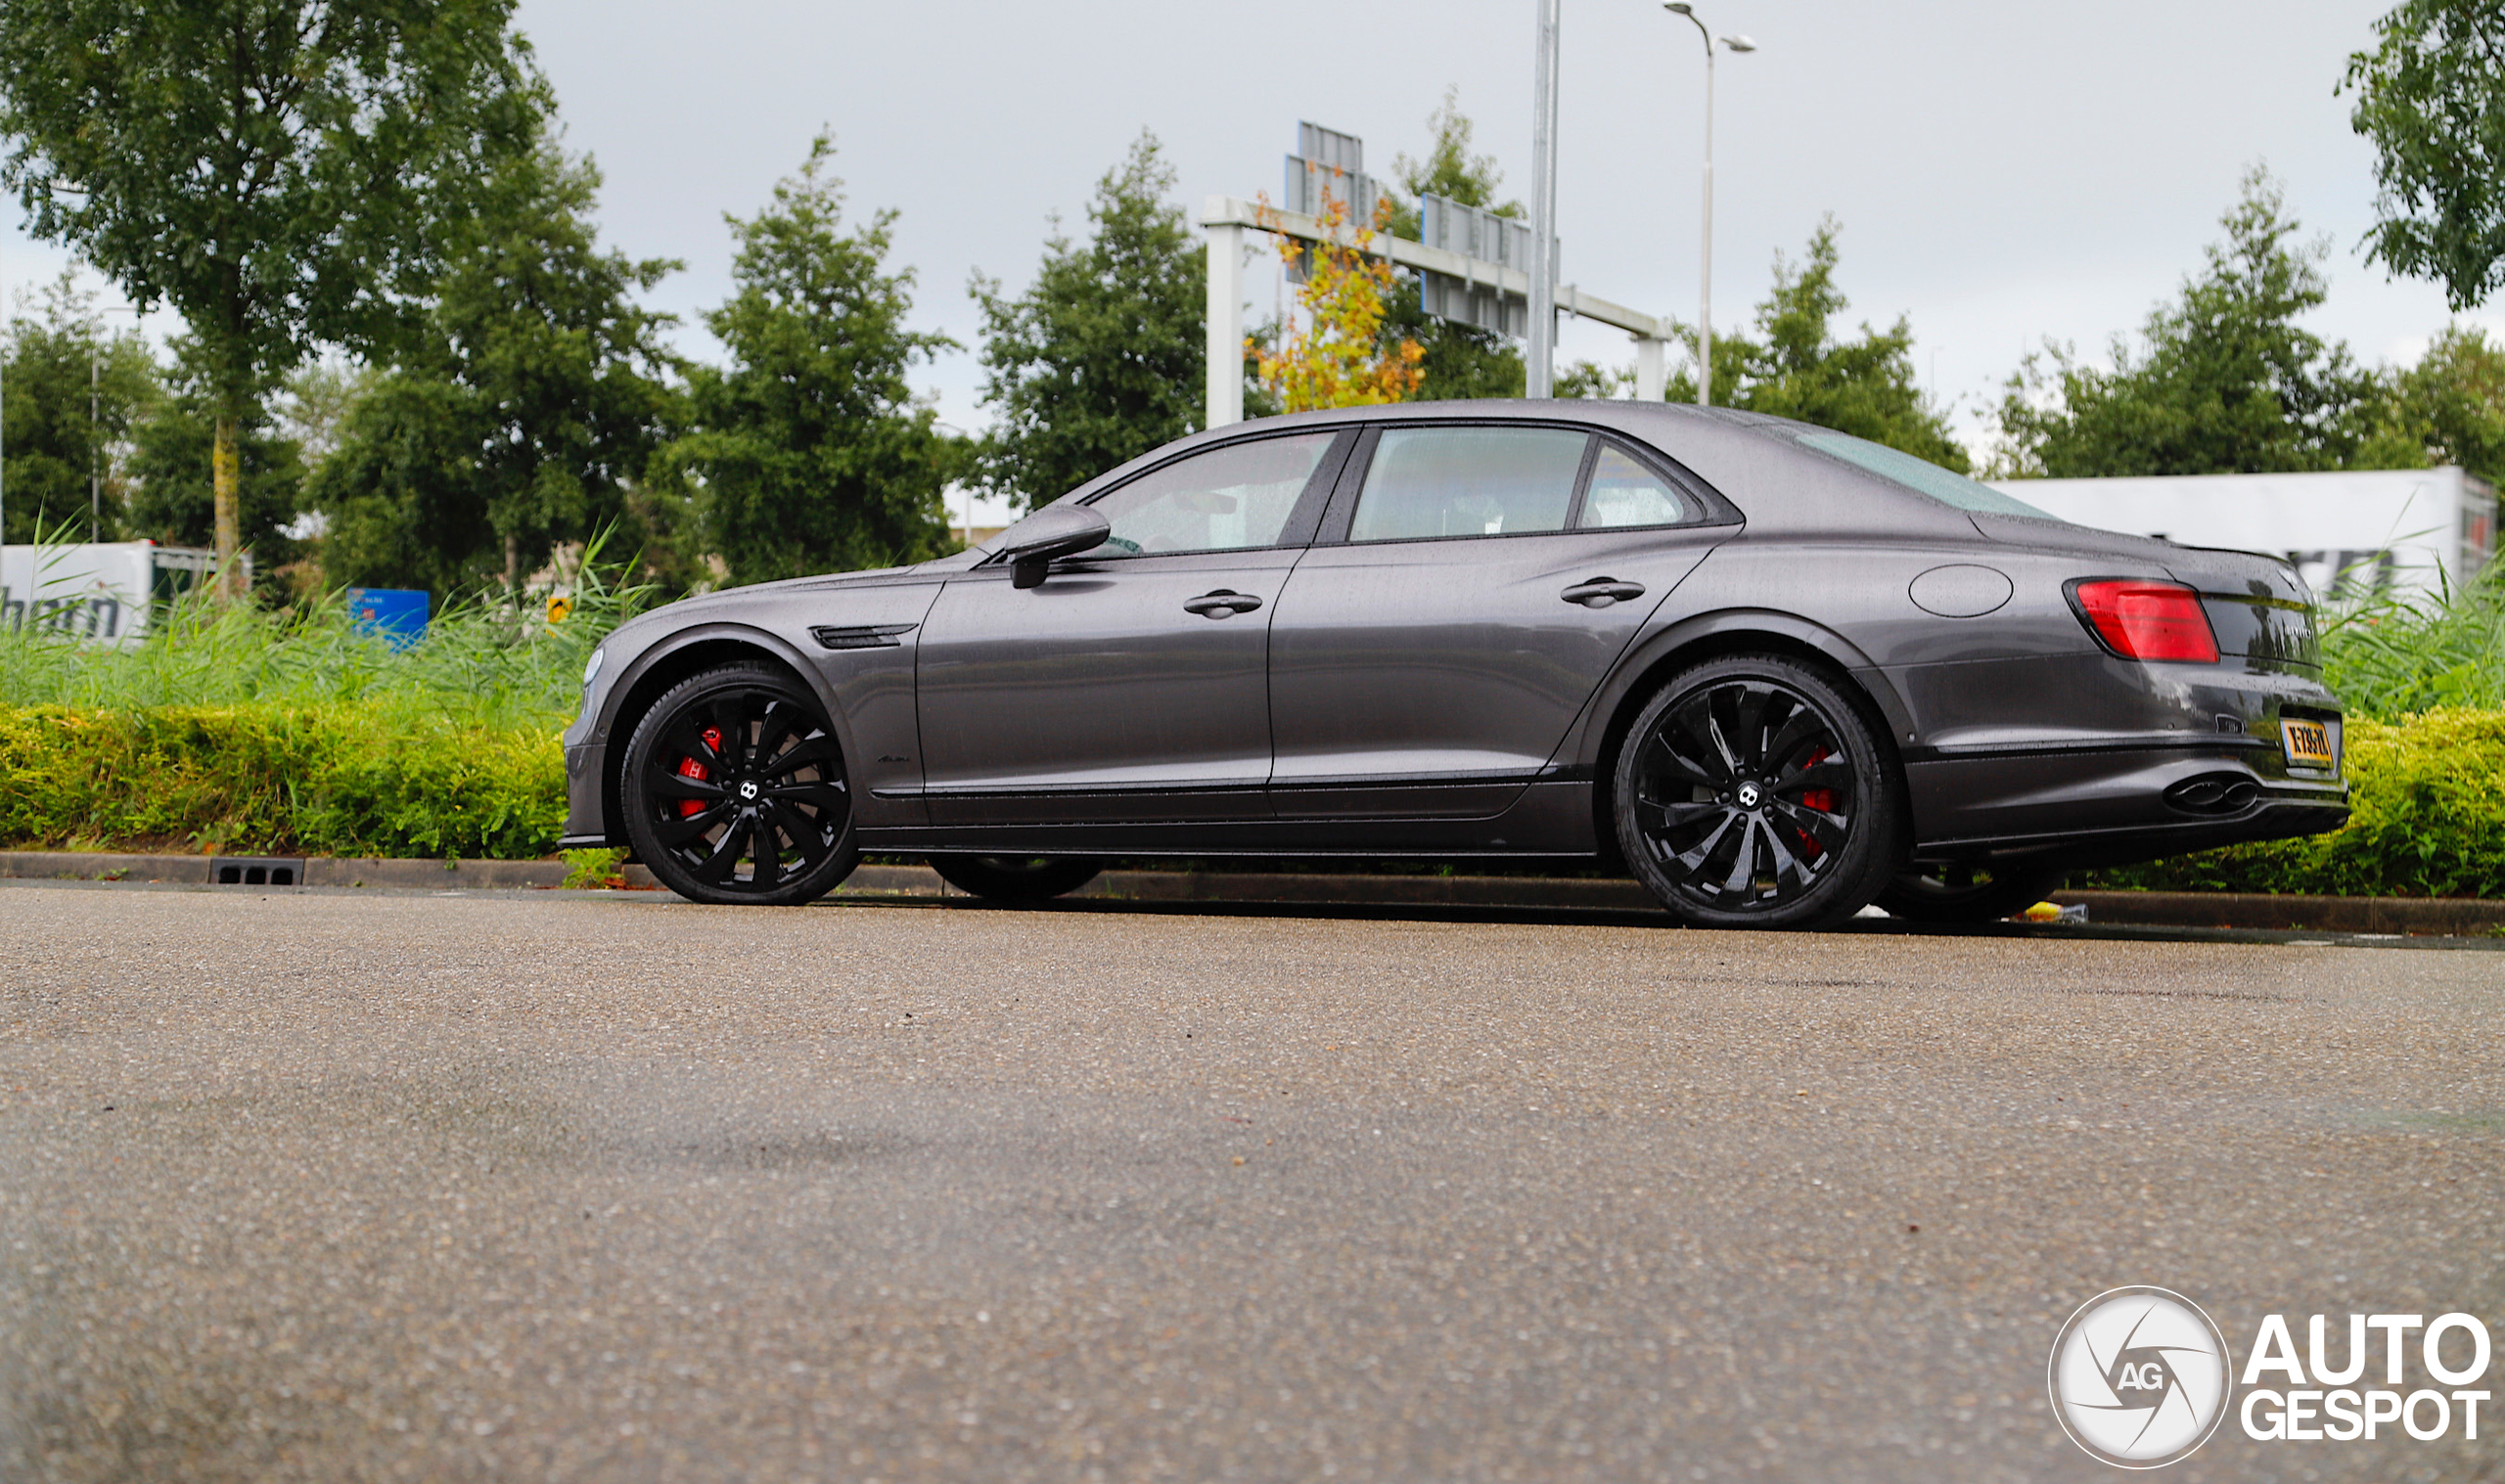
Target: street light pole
1704, 292
1539, 369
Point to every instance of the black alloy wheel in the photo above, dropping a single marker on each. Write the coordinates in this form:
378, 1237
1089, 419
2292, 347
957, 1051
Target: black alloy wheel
1969, 891
735, 790
1752, 793
1016, 877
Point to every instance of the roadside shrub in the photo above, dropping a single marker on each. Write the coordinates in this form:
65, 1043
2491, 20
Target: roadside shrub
2428, 820
386, 777
288, 729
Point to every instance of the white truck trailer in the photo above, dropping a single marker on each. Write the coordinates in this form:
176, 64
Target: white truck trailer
2405, 531
106, 592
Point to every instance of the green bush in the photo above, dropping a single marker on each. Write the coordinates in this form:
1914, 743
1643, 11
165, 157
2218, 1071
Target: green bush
2428, 820
388, 776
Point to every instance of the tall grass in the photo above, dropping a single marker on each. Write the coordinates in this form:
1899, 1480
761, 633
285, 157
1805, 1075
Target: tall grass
483, 660
2389, 657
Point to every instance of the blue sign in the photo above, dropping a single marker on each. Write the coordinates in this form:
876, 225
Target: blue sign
398, 614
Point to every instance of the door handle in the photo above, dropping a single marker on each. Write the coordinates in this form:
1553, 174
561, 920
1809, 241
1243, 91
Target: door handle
1601, 592
1225, 602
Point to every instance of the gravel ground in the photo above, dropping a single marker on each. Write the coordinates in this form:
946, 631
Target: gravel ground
350, 1187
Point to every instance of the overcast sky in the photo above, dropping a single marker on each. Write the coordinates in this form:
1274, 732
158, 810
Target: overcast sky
2004, 172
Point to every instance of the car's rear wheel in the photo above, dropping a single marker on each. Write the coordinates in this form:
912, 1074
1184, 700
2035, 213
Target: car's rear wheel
1752, 793
735, 792
1016, 877
1967, 892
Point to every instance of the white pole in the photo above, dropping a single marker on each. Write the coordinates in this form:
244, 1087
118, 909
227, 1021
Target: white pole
1652, 375
1705, 292
1225, 386
1539, 369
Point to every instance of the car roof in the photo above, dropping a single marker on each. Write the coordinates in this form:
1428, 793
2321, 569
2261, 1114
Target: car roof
1753, 458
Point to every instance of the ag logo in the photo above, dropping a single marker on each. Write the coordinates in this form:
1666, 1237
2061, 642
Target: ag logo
2139, 1378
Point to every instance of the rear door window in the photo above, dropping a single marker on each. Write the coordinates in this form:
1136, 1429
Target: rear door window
1430, 482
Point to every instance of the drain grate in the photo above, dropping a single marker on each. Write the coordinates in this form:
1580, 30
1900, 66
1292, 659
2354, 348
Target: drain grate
257, 869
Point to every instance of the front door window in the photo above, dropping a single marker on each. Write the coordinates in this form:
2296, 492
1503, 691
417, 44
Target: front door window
1228, 499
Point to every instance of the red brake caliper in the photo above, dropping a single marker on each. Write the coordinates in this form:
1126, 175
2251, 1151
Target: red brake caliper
689, 767
1821, 799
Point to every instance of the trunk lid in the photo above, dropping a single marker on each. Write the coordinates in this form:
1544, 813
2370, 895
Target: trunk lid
2258, 608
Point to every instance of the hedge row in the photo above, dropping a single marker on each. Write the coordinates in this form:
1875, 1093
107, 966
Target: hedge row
386, 778
394, 778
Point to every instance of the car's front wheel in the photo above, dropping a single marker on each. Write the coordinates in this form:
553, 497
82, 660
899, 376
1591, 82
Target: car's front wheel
1752, 793
1967, 892
1016, 877
734, 790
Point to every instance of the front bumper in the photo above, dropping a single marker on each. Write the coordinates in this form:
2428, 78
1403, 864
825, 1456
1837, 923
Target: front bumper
586, 809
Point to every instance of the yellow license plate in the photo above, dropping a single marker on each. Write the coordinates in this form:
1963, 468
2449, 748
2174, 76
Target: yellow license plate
2308, 744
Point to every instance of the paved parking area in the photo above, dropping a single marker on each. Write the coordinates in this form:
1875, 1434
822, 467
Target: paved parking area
346, 1186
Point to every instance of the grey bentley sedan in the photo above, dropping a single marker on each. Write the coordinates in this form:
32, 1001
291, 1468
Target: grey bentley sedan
1776, 672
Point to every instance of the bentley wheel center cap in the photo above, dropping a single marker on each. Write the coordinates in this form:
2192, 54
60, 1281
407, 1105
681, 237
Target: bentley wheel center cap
748, 791
1749, 796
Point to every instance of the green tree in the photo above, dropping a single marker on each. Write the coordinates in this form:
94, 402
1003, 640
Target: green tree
315, 402
1460, 360
275, 170
172, 502
2430, 96
521, 414
1101, 359
1795, 366
58, 427
2229, 383
2447, 409
809, 451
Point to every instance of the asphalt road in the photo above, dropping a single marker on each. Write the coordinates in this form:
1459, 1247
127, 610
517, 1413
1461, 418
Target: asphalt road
346, 1187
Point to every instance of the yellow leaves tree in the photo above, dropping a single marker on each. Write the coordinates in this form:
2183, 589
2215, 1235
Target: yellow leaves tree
1338, 359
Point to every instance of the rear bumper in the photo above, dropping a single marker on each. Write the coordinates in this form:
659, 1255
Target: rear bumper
2110, 805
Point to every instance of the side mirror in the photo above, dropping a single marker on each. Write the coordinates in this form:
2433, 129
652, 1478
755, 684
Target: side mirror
1058, 530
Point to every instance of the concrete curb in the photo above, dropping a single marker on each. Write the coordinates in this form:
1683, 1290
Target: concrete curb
2446, 917
2416, 917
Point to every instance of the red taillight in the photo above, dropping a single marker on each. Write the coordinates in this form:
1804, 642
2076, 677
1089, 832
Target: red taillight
2148, 620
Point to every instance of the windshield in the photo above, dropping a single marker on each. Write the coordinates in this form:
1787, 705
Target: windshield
1920, 476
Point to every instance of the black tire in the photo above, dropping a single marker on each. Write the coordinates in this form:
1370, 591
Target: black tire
1967, 892
1750, 792
1016, 877
746, 745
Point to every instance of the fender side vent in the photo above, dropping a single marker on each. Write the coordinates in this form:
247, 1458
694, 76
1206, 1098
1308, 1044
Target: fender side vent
875, 635
2214, 793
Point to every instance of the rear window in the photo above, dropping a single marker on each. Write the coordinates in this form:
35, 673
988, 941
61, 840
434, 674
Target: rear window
1920, 476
